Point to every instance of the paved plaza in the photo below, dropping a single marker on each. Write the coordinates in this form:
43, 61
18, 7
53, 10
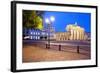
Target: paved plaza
36, 51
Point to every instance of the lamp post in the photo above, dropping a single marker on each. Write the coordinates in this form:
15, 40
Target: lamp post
49, 21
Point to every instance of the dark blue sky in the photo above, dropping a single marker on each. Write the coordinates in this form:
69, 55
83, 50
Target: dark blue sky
64, 18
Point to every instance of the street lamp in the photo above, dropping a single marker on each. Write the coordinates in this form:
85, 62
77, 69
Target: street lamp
52, 18
49, 22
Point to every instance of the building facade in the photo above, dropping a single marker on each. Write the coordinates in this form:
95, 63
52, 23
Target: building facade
61, 36
74, 32
36, 34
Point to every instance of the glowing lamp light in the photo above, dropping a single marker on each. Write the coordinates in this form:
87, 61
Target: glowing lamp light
52, 18
47, 21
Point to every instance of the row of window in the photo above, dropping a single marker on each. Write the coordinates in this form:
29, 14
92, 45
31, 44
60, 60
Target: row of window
35, 37
38, 33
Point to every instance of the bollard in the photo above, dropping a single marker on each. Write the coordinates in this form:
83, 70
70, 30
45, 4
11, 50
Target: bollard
59, 47
78, 49
46, 46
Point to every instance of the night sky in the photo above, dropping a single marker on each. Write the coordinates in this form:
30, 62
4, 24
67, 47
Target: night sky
64, 18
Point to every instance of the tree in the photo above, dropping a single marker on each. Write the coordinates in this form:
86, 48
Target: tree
32, 20
38, 21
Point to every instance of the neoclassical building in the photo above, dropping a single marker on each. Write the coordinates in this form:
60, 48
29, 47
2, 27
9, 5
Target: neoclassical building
74, 32
61, 36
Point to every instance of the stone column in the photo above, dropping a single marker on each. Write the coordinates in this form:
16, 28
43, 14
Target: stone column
72, 34
75, 33
82, 33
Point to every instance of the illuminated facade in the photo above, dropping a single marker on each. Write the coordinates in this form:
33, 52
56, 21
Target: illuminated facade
61, 36
36, 34
74, 32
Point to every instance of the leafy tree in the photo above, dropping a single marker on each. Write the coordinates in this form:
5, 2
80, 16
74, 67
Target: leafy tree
32, 20
38, 21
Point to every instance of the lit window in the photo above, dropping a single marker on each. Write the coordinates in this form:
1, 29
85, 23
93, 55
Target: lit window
38, 37
43, 33
31, 33
31, 37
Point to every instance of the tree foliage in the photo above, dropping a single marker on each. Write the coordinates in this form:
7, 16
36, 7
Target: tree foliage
32, 20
